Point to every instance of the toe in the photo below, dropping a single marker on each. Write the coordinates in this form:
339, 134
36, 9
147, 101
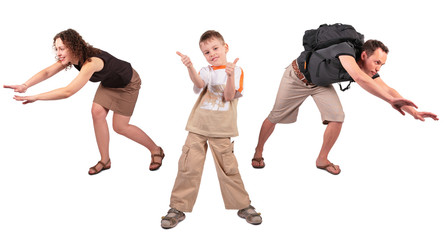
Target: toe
334, 169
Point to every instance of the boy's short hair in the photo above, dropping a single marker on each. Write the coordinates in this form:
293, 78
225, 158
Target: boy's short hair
371, 45
211, 34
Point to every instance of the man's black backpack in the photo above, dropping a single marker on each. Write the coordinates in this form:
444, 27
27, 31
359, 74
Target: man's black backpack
319, 61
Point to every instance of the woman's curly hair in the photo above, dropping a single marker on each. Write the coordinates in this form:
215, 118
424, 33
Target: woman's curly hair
74, 41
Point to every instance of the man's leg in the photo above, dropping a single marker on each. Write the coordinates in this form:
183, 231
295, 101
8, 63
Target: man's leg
265, 132
332, 113
330, 136
290, 96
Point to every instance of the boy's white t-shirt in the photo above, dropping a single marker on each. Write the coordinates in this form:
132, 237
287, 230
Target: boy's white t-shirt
212, 116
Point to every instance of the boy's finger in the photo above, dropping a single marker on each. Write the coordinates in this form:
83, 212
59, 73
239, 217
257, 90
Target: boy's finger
235, 61
180, 54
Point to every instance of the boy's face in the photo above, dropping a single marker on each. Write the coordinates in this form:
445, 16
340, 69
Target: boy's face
214, 50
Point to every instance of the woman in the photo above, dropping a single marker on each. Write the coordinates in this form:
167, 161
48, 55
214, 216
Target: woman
118, 92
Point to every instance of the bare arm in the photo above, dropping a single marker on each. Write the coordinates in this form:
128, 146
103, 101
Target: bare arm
368, 84
196, 79
39, 77
74, 86
229, 92
412, 111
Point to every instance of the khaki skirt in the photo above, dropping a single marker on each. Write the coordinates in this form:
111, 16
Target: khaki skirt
120, 100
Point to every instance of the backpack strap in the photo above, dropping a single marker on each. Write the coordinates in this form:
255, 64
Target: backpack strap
346, 88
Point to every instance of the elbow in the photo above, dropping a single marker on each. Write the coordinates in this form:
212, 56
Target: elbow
358, 79
228, 96
46, 74
67, 93
199, 85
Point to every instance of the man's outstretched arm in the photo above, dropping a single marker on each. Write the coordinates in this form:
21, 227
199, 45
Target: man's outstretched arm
368, 84
412, 111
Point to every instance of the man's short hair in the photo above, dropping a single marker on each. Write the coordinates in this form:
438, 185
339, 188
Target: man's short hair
371, 45
211, 34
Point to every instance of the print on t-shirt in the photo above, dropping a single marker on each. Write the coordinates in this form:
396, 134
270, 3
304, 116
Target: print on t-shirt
213, 98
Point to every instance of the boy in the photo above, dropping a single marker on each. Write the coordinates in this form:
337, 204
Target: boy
213, 121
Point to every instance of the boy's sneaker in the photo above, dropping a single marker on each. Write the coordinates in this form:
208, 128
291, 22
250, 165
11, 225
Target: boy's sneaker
172, 218
250, 215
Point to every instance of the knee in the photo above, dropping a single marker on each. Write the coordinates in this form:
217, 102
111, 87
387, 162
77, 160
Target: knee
119, 128
98, 113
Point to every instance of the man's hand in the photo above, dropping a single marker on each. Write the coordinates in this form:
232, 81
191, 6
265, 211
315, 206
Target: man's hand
398, 103
422, 115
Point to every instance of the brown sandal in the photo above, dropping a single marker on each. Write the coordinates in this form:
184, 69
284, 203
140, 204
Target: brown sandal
157, 165
330, 165
104, 167
258, 160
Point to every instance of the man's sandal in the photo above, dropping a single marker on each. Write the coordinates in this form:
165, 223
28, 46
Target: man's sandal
259, 161
328, 170
96, 171
250, 215
156, 165
172, 218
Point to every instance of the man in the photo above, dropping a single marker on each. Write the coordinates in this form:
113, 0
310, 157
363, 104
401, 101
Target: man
295, 88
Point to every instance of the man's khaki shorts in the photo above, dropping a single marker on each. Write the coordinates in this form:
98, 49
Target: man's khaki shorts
293, 92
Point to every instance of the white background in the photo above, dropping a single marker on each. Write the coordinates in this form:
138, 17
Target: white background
392, 180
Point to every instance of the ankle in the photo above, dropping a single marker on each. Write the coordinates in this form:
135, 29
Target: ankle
258, 153
155, 150
105, 160
322, 161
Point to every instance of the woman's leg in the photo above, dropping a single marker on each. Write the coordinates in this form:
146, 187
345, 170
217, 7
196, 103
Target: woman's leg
121, 126
99, 114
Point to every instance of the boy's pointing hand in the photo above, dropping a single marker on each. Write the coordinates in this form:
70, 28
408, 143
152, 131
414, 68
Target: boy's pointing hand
185, 59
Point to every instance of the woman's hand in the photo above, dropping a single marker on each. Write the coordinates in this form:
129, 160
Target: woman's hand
26, 99
17, 88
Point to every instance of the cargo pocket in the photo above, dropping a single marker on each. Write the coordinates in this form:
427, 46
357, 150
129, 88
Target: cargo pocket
182, 163
230, 165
